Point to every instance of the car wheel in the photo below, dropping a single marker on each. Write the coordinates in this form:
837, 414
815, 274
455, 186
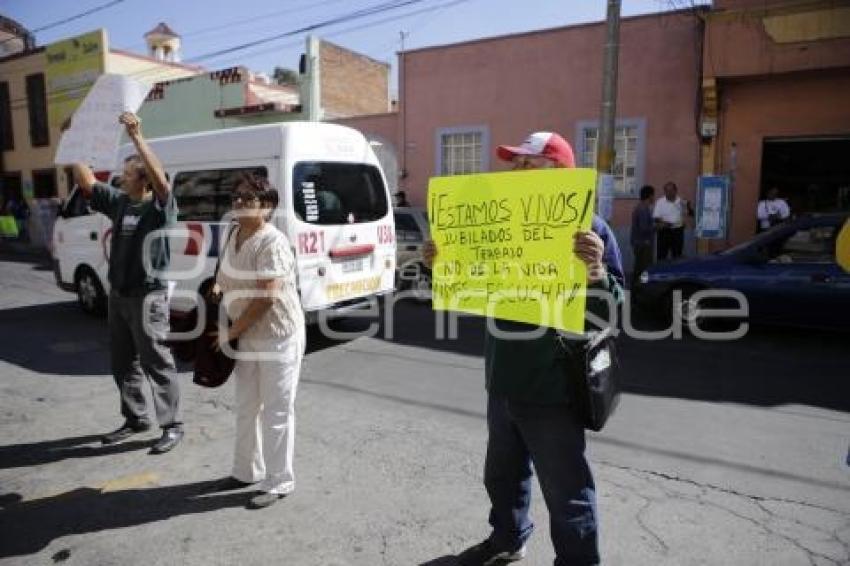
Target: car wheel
90, 292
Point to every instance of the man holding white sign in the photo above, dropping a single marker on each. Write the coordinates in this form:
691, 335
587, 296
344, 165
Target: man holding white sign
138, 303
531, 417
92, 137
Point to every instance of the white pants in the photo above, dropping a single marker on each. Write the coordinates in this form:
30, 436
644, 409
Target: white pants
265, 412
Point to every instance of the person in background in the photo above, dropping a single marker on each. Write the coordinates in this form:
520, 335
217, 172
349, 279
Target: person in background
669, 214
20, 211
772, 210
531, 422
401, 199
138, 298
642, 232
258, 264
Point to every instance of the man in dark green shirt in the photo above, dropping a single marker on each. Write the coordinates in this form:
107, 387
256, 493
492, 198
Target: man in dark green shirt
530, 416
138, 298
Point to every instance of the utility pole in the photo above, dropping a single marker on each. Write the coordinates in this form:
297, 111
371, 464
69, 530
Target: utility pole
402, 108
607, 122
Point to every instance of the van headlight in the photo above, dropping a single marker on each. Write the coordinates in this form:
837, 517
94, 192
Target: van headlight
644, 277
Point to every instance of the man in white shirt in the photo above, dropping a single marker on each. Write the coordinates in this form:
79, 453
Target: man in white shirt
772, 210
669, 214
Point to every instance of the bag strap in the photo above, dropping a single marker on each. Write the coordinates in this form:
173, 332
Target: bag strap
223, 250
590, 339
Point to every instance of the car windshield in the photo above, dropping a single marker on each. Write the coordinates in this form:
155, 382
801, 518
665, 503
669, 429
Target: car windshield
758, 241
338, 193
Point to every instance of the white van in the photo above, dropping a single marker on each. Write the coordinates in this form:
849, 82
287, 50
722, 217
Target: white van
335, 209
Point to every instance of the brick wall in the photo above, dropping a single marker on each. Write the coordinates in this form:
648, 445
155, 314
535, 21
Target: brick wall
352, 84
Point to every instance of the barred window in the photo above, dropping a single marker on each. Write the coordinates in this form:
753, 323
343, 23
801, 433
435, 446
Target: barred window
628, 140
461, 153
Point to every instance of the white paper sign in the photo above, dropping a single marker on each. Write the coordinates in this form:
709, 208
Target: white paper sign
95, 132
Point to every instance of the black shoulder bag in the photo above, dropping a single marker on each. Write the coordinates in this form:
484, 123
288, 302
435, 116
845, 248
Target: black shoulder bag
591, 370
212, 366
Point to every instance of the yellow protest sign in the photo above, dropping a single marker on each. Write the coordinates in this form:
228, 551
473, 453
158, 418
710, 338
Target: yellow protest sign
842, 247
73, 66
505, 244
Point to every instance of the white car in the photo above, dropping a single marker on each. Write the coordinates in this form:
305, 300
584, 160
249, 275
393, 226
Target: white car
334, 209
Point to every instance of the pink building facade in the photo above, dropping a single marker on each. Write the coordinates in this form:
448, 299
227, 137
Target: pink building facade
754, 89
458, 102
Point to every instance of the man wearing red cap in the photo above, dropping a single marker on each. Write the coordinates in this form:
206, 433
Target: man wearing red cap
529, 414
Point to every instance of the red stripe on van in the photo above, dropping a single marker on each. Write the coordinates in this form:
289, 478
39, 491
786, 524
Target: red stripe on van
192, 247
351, 251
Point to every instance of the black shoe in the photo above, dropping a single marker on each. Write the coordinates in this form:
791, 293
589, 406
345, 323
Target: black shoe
487, 554
264, 500
226, 484
127, 430
170, 438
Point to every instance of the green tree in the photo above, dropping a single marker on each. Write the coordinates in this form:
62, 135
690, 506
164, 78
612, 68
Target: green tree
284, 76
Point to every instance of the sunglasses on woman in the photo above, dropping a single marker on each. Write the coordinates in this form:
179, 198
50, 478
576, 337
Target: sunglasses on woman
243, 197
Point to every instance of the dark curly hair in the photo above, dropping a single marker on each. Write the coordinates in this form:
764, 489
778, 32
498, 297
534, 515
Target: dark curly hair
260, 187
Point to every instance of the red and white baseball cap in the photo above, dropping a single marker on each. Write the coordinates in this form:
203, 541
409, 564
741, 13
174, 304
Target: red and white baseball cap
545, 144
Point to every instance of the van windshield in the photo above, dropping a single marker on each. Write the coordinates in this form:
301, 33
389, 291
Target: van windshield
338, 193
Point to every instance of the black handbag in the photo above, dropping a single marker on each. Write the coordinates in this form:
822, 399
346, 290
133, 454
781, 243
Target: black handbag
591, 368
212, 366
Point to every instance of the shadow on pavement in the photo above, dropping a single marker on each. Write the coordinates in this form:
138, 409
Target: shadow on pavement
60, 339
50, 451
769, 366
55, 338
442, 561
29, 526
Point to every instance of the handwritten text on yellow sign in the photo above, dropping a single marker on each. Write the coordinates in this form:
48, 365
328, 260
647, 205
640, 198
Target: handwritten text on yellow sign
505, 243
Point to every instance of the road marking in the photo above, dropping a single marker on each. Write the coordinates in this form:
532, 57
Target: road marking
130, 482
144, 479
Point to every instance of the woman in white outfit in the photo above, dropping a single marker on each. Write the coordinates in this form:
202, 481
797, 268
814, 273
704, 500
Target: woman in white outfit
257, 283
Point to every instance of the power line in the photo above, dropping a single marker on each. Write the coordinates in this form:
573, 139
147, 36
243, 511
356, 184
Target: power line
70, 18
376, 9
353, 29
358, 14
237, 23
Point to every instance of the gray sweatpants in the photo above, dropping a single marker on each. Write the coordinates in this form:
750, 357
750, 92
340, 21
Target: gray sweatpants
138, 350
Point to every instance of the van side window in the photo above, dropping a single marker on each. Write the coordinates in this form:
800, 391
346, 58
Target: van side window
338, 193
205, 195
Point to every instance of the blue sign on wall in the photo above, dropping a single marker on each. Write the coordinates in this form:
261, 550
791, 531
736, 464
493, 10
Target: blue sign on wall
712, 207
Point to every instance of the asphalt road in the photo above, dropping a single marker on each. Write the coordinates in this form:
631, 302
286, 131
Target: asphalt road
720, 453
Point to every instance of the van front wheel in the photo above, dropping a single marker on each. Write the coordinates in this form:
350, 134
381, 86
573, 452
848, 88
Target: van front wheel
90, 292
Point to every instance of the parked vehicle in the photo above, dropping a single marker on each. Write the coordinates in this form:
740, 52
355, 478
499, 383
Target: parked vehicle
788, 274
334, 208
411, 229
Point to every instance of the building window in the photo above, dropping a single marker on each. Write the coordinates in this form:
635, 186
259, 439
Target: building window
11, 187
37, 105
629, 152
7, 138
44, 183
461, 151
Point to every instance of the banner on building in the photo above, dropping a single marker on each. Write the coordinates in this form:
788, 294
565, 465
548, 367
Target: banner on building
505, 244
73, 66
712, 207
95, 131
